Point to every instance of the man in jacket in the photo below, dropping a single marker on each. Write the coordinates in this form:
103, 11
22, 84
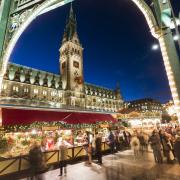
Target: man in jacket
37, 161
111, 139
156, 146
98, 142
63, 150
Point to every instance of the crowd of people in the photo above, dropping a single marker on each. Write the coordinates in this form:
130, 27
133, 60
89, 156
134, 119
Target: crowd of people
165, 143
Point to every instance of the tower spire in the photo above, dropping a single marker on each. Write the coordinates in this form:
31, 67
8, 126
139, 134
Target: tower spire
71, 13
117, 90
71, 26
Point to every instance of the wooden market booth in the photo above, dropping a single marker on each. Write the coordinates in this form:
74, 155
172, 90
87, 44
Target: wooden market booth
23, 120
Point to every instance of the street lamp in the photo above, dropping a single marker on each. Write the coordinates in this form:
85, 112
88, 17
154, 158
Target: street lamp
155, 47
176, 37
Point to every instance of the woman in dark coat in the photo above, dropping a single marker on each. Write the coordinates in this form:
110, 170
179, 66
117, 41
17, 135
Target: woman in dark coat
37, 162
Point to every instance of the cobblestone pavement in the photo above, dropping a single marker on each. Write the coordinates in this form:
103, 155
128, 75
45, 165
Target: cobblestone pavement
120, 166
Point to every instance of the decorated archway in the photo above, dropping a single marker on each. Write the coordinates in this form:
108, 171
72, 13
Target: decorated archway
17, 15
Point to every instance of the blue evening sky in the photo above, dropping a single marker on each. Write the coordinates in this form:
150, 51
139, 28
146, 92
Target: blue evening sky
117, 47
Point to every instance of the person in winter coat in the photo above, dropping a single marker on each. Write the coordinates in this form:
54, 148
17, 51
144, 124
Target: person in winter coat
142, 142
98, 142
146, 140
156, 146
135, 145
177, 146
63, 150
111, 139
37, 162
170, 157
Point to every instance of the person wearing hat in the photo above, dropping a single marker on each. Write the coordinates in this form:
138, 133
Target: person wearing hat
177, 146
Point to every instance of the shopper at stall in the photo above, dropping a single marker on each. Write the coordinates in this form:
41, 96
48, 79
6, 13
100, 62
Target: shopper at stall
135, 145
37, 162
86, 142
93, 144
89, 153
177, 146
98, 142
111, 140
63, 158
154, 140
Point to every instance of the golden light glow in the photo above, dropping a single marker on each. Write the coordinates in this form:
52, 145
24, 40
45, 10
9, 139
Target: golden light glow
141, 4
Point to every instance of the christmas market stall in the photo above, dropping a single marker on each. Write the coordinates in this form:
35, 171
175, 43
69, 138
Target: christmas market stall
49, 128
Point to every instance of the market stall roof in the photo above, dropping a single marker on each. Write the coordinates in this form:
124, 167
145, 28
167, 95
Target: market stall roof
11, 116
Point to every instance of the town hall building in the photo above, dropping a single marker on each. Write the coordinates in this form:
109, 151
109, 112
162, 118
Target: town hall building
25, 86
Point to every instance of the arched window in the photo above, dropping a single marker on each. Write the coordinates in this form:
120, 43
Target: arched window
35, 91
15, 88
26, 90
44, 93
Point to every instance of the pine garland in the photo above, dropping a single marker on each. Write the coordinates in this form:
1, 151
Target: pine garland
60, 124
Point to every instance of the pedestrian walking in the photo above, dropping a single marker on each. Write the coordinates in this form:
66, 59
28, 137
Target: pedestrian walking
117, 141
98, 142
87, 147
37, 162
156, 146
89, 153
146, 140
142, 142
171, 157
127, 138
177, 146
111, 139
63, 151
135, 145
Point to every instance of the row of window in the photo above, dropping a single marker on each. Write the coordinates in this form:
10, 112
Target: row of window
35, 91
111, 109
100, 94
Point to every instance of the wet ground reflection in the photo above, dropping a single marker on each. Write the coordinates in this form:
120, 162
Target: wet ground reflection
122, 171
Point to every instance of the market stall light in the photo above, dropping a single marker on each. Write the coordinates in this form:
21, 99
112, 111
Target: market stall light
34, 132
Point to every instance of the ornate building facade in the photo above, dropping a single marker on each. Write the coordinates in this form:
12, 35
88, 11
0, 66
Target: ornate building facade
26, 86
146, 105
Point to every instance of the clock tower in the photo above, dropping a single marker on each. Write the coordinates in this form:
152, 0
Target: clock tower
71, 61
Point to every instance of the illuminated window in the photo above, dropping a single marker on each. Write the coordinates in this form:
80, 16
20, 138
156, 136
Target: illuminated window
60, 94
26, 90
45, 93
5, 86
53, 93
35, 91
15, 88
